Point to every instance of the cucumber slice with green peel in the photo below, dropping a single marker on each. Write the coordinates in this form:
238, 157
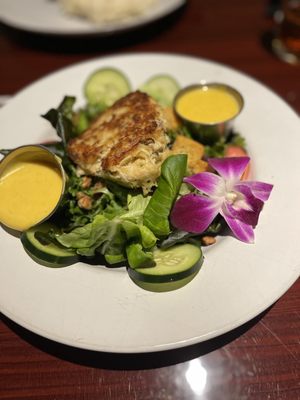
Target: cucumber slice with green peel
50, 255
175, 267
165, 286
163, 89
106, 86
49, 264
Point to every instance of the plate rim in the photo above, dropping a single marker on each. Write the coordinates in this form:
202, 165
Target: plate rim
185, 342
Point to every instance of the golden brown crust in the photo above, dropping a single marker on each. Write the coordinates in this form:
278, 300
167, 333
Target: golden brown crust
195, 152
127, 143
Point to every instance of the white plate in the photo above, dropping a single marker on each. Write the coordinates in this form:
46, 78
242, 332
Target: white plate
101, 309
45, 16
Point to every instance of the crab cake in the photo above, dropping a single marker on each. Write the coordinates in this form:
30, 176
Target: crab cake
126, 144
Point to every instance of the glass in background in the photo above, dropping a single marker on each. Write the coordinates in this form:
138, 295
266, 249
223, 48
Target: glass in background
286, 43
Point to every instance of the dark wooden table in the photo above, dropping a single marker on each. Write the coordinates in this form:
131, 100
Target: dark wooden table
260, 360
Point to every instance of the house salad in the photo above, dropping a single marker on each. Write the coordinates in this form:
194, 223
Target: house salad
142, 190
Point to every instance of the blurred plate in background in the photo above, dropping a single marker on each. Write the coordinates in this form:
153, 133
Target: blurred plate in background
46, 17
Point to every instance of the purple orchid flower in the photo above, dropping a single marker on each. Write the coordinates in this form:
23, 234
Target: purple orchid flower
238, 202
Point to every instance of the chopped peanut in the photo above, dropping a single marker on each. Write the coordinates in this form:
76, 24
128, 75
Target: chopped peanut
85, 202
208, 240
86, 182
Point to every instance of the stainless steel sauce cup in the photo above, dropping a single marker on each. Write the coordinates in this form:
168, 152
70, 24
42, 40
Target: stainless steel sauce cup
209, 133
34, 153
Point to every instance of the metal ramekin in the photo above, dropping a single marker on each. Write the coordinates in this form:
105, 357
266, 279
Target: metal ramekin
209, 133
34, 153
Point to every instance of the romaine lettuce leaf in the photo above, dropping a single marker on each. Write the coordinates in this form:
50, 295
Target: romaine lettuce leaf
86, 236
136, 206
116, 236
138, 257
156, 215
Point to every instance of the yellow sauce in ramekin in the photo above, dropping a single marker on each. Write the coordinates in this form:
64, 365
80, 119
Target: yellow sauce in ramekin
207, 104
30, 189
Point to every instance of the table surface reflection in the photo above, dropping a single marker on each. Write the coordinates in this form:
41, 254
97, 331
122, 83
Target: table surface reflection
259, 360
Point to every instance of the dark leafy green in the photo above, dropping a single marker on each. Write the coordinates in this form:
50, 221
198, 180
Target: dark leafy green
156, 216
61, 119
215, 150
177, 236
236, 139
218, 148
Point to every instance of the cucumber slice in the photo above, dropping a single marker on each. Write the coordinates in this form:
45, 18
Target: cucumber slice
163, 89
175, 267
50, 255
105, 86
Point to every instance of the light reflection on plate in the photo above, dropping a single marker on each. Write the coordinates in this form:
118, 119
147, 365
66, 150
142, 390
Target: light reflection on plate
101, 309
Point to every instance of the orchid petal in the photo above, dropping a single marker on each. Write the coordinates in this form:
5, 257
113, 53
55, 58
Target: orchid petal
208, 183
241, 230
238, 202
247, 209
247, 216
230, 168
194, 213
260, 190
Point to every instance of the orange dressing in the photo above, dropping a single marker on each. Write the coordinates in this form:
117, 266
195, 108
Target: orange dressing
207, 105
29, 192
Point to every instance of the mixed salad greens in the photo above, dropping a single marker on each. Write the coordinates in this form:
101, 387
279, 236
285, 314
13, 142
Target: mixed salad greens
101, 222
